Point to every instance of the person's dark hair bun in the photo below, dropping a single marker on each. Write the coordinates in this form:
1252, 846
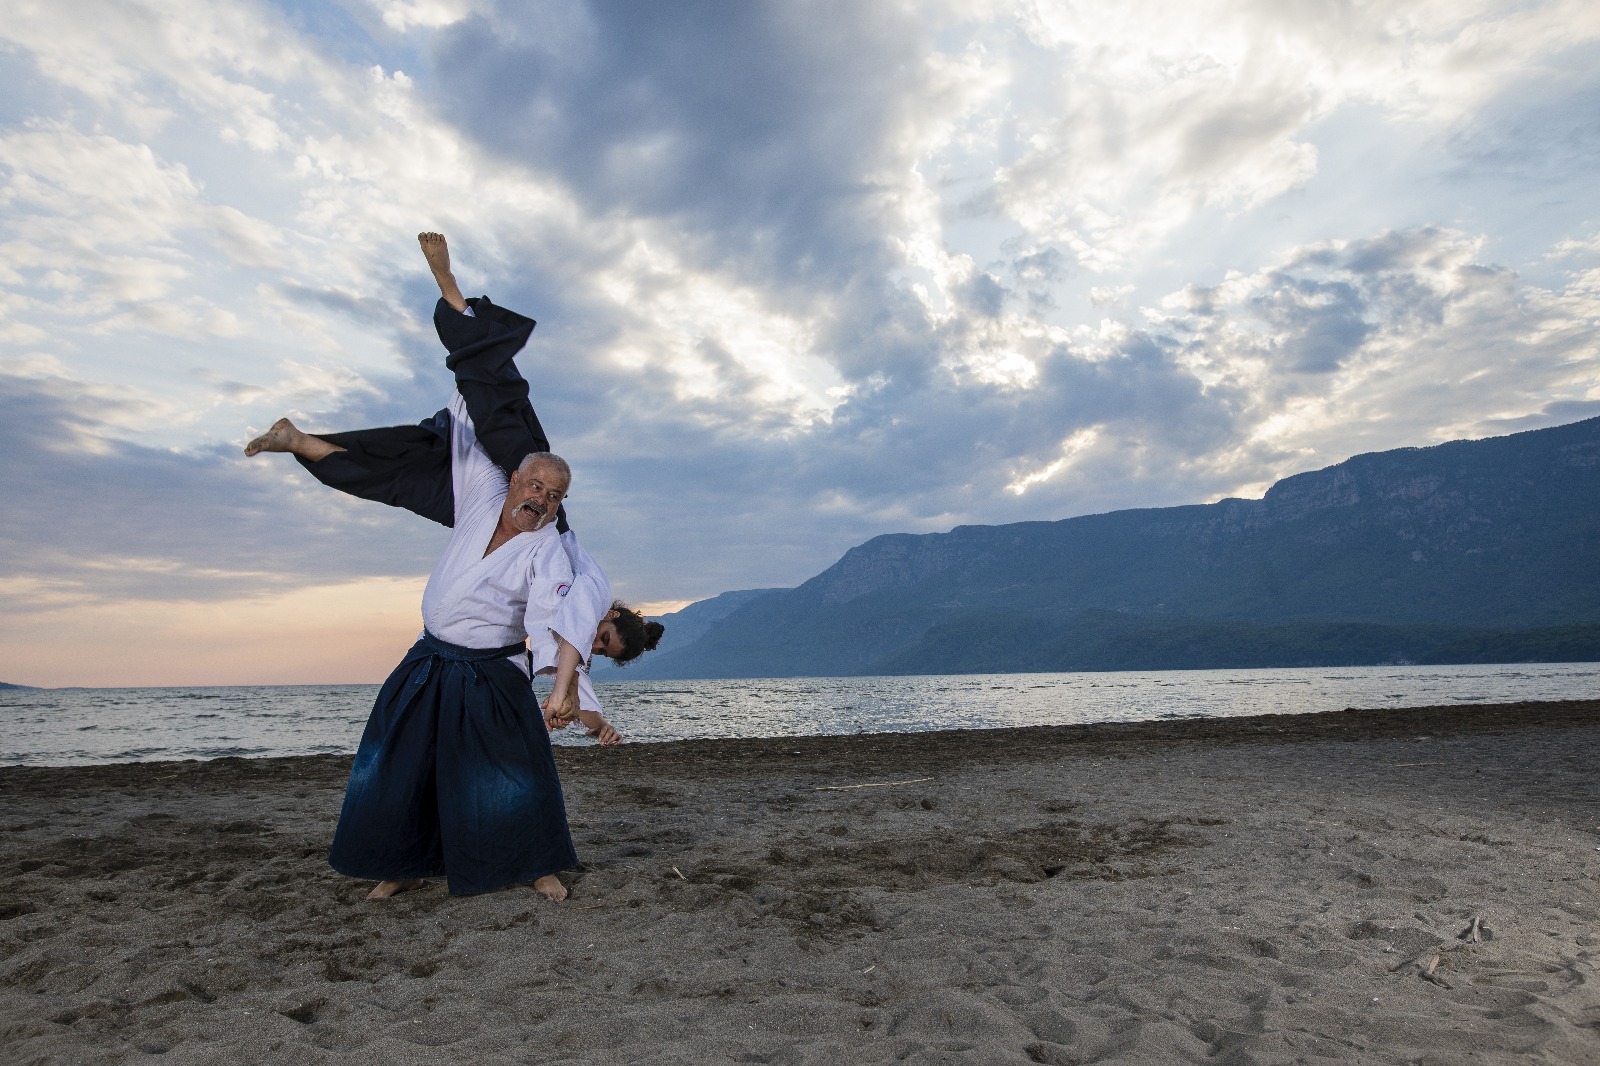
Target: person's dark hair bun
638, 636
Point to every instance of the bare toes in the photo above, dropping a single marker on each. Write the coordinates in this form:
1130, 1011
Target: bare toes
385, 889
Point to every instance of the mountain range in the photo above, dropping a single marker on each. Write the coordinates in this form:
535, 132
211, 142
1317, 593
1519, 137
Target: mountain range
1471, 551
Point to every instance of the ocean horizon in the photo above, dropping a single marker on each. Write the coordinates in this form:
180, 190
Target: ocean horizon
84, 726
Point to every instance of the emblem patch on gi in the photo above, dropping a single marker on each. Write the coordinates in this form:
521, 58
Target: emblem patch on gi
561, 590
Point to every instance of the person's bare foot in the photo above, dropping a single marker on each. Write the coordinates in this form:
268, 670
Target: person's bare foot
437, 252
386, 889
550, 887
280, 438
285, 436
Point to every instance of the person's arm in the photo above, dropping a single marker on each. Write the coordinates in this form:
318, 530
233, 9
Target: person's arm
583, 608
595, 725
561, 704
547, 578
587, 700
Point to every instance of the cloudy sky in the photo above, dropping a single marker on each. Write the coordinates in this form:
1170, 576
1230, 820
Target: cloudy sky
806, 272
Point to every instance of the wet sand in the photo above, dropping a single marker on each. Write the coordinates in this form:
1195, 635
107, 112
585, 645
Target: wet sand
1369, 886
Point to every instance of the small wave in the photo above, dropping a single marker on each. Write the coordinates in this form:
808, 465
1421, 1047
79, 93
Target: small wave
227, 753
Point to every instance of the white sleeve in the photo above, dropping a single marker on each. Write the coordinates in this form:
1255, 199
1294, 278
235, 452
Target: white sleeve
587, 700
584, 606
549, 574
472, 472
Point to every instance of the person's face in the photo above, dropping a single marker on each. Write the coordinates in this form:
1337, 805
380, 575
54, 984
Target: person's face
607, 641
536, 490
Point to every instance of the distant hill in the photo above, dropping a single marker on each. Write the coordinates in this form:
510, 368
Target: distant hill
1113, 640
3, 685
1484, 547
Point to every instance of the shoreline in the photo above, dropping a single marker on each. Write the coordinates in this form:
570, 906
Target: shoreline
1312, 725
1292, 887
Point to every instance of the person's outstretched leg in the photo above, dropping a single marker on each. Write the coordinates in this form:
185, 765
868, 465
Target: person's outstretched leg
409, 466
402, 466
285, 436
483, 346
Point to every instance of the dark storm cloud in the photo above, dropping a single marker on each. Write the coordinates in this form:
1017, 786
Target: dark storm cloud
1321, 321
984, 295
724, 508
758, 126
942, 446
107, 520
1324, 303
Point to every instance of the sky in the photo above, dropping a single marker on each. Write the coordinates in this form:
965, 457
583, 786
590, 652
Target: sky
805, 273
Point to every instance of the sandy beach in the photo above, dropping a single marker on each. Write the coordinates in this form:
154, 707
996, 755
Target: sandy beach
1414, 886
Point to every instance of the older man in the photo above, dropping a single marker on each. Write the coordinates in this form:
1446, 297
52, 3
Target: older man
454, 774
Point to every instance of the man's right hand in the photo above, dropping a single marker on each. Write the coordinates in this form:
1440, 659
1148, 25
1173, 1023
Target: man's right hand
558, 714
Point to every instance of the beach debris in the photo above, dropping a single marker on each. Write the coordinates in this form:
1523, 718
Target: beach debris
679, 873
1430, 971
871, 784
1473, 932
1434, 763
869, 969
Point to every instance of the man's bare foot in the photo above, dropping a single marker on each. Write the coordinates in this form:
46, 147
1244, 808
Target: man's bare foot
550, 887
285, 436
437, 252
386, 889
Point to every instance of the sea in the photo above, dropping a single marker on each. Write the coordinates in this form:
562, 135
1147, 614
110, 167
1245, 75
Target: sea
81, 726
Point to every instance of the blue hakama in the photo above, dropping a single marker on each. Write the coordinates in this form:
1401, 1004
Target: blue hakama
454, 777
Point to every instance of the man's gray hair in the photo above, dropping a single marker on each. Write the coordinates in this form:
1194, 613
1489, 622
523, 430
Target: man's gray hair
549, 459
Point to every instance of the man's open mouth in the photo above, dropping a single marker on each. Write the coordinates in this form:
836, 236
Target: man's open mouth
534, 511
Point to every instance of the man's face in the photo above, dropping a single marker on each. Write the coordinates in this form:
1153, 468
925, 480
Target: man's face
536, 490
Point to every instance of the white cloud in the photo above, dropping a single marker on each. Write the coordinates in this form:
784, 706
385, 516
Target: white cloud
402, 15
1429, 343
1133, 118
710, 335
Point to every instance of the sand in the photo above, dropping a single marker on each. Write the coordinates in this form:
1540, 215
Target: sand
1373, 887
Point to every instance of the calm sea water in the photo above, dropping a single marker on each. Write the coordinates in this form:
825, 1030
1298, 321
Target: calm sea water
62, 727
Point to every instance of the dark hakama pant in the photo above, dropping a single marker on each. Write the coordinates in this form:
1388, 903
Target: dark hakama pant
454, 777
409, 466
